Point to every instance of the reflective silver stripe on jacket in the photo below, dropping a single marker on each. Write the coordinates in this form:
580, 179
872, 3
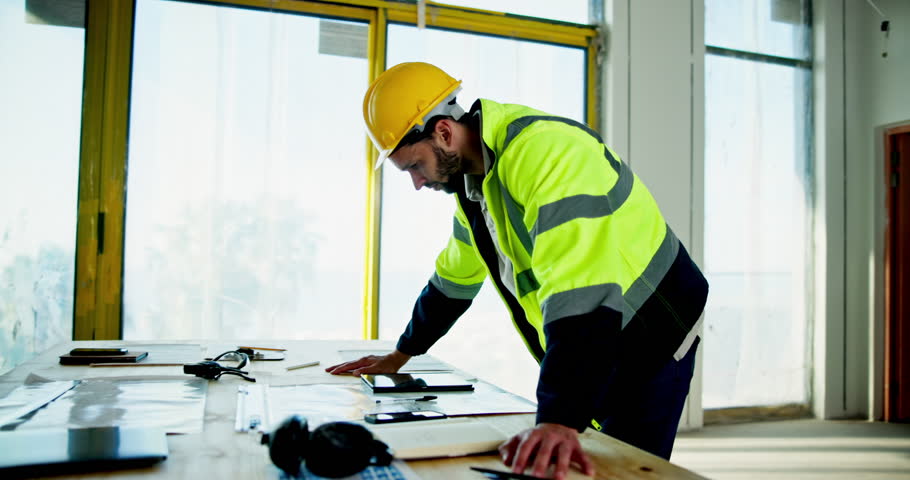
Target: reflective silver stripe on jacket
583, 300
455, 290
642, 288
460, 232
564, 210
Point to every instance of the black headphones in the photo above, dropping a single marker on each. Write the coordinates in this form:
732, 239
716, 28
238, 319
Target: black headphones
333, 450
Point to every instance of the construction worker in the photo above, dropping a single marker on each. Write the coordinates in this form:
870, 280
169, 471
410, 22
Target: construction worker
603, 293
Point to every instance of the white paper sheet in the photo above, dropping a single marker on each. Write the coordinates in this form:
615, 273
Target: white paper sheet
170, 352
322, 403
30, 397
486, 399
452, 437
173, 404
318, 403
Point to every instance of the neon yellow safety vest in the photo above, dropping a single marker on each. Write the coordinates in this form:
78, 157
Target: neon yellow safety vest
580, 229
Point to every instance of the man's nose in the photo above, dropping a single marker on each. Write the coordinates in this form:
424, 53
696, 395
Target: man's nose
418, 180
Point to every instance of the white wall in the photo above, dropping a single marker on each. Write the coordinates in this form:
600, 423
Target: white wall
654, 114
858, 92
828, 321
654, 118
877, 94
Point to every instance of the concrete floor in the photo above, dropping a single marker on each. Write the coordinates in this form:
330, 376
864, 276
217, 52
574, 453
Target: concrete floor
797, 449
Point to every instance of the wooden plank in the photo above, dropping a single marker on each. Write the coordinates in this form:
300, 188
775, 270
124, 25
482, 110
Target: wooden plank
89, 170
113, 167
102, 171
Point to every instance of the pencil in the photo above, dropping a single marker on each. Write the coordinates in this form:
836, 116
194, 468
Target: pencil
265, 348
114, 364
304, 365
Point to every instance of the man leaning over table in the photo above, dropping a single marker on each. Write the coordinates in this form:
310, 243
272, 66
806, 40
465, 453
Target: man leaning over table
603, 293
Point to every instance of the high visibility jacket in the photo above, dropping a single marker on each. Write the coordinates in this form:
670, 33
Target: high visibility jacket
600, 280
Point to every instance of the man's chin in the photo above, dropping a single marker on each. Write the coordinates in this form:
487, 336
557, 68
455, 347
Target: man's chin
443, 186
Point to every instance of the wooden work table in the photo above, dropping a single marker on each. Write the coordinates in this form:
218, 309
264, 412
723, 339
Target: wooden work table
221, 453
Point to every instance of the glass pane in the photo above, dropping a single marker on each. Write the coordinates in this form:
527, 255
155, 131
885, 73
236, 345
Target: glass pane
772, 27
575, 11
245, 207
416, 224
41, 58
757, 188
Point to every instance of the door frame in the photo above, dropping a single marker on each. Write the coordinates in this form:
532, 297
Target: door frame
888, 319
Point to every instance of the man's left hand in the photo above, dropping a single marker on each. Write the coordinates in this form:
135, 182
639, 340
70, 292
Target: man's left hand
546, 443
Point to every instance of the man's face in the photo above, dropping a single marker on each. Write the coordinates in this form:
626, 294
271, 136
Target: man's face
429, 165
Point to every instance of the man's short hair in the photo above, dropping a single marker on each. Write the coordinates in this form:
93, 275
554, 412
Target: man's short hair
416, 136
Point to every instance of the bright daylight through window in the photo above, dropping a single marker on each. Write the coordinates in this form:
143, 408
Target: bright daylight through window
245, 210
758, 177
41, 56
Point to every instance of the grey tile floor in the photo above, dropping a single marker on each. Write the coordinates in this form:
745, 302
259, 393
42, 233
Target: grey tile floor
797, 449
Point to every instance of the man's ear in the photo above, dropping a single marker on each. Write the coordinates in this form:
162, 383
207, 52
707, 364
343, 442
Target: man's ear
444, 131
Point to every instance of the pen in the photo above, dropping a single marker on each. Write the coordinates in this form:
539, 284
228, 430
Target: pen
264, 348
303, 365
502, 474
425, 398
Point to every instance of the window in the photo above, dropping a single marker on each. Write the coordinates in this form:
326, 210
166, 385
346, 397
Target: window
41, 55
575, 11
245, 193
757, 202
225, 148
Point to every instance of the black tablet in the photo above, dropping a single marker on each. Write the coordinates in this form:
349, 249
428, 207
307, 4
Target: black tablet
418, 382
27, 453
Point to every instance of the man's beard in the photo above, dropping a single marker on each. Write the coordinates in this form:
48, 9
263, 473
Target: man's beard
449, 165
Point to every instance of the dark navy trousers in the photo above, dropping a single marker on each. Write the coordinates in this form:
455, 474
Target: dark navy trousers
644, 411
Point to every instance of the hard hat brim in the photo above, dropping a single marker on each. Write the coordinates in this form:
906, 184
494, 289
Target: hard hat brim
383, 155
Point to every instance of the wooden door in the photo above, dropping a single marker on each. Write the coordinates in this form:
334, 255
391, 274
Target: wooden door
897, 276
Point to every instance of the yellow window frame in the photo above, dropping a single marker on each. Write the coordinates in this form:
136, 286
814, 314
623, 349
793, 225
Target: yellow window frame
103, 152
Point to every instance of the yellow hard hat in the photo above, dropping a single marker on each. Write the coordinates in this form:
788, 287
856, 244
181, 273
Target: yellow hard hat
402, 99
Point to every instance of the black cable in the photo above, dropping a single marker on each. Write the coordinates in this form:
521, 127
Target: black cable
243, 358
212, 370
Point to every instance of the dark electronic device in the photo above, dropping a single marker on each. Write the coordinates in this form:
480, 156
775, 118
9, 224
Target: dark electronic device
334, 450
424, 382
77, 352
30, 453
85, 359
395, 417
212, 370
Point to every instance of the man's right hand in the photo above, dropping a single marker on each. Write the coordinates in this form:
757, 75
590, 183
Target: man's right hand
389, 363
